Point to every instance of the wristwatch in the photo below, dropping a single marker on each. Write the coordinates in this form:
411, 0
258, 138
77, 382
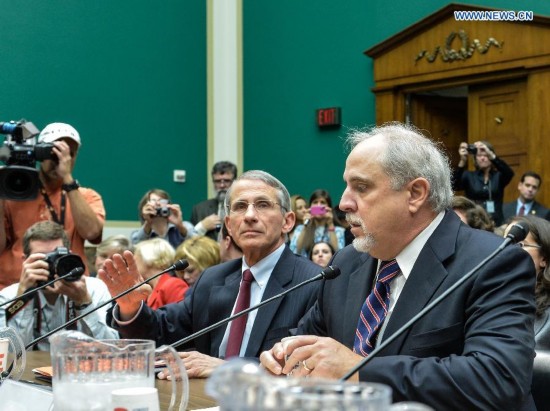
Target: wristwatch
71, 186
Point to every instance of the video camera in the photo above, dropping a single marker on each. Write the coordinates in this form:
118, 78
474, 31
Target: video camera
19, 177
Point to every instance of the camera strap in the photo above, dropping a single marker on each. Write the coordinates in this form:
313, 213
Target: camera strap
60, 220
70, 313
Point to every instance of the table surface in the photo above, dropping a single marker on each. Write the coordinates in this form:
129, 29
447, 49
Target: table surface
197, 397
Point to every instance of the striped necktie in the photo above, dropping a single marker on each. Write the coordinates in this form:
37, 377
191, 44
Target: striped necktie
375, 309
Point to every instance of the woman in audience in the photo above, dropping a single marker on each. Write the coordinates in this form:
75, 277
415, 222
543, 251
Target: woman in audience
152, 257
161, 218
321, 253
200, 253
485, 186
537, 244
320, 224
114, 244
299, 206
472, 214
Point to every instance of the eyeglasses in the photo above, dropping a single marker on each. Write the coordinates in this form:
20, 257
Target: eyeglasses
261, 206
527, 245
222, 181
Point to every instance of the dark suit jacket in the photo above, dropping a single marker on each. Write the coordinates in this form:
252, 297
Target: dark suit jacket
473, 351
202, 210
509, 210
212, 299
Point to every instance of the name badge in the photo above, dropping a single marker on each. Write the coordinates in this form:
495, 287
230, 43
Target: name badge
490, 206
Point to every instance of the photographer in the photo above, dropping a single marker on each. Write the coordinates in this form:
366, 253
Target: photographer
320, 224
162, 219
486, 184
51, 307
61, 199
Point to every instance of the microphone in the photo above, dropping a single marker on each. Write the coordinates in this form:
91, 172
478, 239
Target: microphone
517, 233
306, 222
177, 266
328, 273
75, 272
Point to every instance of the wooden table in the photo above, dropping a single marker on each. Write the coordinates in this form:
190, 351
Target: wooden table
197, 397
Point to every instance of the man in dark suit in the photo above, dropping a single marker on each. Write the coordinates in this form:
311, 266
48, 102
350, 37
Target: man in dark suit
258, 220
473, 351
526, 204
207, 216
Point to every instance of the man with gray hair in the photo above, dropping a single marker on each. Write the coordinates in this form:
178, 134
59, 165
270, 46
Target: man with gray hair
474, 350
258, 219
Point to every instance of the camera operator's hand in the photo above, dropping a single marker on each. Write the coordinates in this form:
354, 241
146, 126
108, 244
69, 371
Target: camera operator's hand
74, 290
328, 216
35, 270
483, 149
149, 211
119, 274
209, 223
176, 218
65, 163
463, 152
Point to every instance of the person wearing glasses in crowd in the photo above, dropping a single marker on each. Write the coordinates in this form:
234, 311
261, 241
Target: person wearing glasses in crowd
537, 244
258, 219
160, 218
207, 216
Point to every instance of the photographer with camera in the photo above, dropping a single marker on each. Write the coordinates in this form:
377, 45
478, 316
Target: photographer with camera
486, 184
161, 218
59, 198
45, 247
320, 224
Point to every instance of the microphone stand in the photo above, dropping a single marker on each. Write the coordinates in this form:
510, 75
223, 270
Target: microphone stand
421, 313
176, 266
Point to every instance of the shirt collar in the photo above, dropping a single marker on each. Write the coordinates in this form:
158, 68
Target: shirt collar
408, 256
263, 268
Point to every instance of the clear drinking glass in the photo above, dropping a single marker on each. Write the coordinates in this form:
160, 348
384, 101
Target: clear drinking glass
13, 356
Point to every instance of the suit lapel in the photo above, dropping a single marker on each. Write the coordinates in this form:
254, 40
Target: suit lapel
425, 278
280, 277
359, 286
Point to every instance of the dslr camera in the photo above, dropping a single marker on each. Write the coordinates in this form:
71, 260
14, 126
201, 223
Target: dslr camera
61, 262
472, 149
19, 177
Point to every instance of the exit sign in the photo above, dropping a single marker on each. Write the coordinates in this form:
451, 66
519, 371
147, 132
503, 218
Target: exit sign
329, 117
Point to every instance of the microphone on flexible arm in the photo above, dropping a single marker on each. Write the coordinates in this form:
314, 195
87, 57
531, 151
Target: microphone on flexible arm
517, 233
328, 273
75, 273
177, 266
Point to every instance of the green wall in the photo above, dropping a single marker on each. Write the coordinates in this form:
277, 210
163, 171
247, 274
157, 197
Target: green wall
304, 55
129, 75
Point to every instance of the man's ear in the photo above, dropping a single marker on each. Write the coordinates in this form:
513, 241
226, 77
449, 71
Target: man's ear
419, 191
290, 221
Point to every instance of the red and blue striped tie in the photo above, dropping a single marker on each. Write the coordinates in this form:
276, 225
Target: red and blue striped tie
375, 309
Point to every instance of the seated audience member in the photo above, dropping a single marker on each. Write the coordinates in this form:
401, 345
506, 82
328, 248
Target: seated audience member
526, 204
259, 219
485, 186
153, 256
60, 199
200, 253
320, 224
229, 250
474, 350
537, 244
321, 253
207, 216
299, 206
161, 218
115, 244
54, 305
472, 214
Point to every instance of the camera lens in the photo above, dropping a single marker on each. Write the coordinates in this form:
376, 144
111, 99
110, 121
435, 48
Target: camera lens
66, 263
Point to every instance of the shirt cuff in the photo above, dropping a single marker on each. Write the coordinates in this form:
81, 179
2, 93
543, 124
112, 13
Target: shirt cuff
199, 229
120, 322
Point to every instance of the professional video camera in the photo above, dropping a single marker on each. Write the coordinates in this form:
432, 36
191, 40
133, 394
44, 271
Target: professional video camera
19, 177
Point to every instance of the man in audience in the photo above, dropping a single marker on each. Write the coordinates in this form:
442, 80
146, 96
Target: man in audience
258, 219
61, 199
475, 349
51, 307
207, 216
526, 204
229, 250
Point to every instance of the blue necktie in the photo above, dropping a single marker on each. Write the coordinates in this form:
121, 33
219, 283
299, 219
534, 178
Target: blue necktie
375, 309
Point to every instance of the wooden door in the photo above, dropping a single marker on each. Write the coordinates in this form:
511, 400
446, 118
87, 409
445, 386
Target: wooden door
498, 113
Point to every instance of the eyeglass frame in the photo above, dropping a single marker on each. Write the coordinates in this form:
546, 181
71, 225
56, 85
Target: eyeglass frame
253, 204
523, 244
